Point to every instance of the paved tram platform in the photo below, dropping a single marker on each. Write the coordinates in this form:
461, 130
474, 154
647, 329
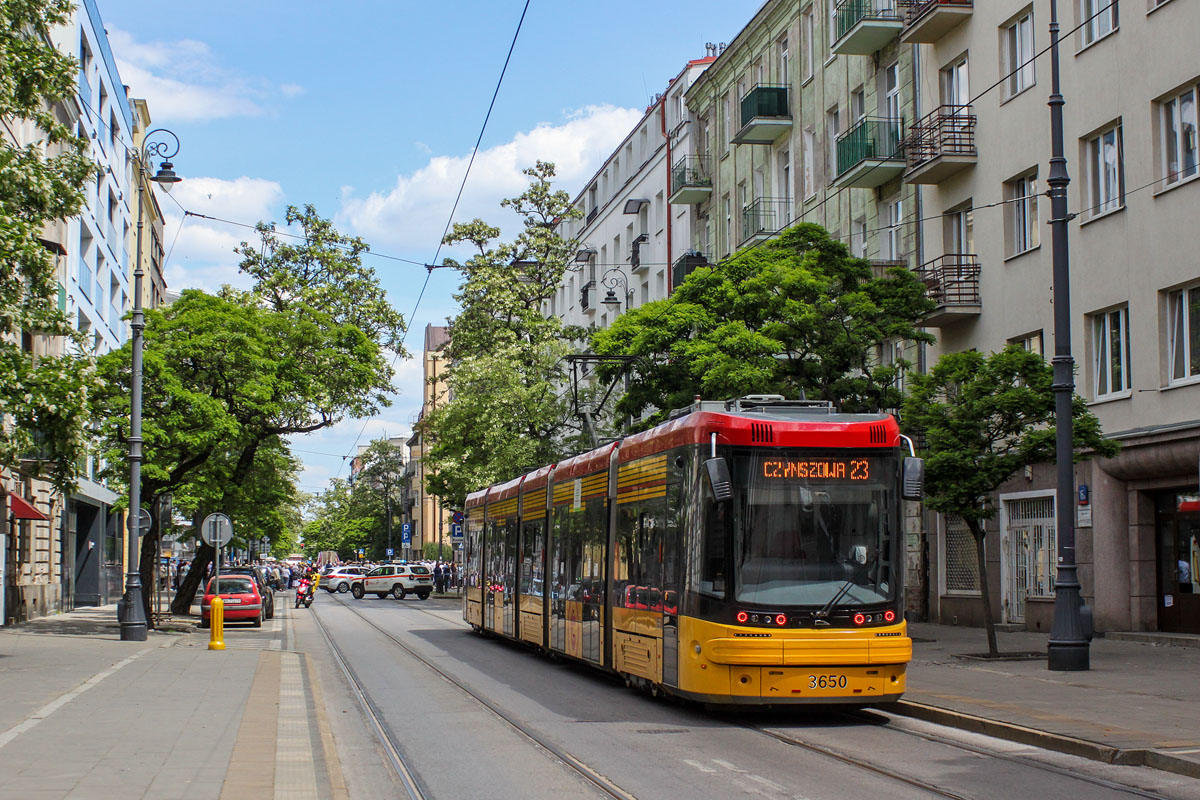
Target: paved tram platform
88, 716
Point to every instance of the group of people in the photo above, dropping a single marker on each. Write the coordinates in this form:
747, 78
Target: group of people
445, 577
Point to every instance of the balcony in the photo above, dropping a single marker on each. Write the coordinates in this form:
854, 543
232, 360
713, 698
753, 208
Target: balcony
691, 180
587, 296
591, 217
927, 21
952, 282
685, 265
881, 266
865, 26
941, 145
766, 115
870, 154
763, 218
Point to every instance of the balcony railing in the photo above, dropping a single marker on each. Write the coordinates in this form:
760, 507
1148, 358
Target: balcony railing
592, 214
764, 217
941, 144
586, 296
865, 26
766, 115
952, 282
691, 180
927, 21
685, 265
871, 153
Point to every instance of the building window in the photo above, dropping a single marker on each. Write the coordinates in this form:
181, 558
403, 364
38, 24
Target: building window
832, 24
894, 235
1031, 343
1018, 54
858, 238
809, 189
1179, 137
807, 42
833, 128
1183, 333
858, 106
962, 561
728, 232
785, 175
1098, 18
784, 75
725, 120
1105, 165
1110, 352
1022, 196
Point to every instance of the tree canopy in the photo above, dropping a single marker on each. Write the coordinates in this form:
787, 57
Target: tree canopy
505, 411
43, 396
982, 419
796, 316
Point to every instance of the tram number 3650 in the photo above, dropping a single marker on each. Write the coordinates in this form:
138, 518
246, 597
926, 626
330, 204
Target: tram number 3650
827, 681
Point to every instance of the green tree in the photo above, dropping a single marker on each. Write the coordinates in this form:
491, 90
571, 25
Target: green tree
795, 315
376, 491
338, 523
506, 411
984, 418
43, 398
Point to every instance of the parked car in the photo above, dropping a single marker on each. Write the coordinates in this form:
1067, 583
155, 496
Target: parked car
243, 602
264, 586
340, 579
397, 580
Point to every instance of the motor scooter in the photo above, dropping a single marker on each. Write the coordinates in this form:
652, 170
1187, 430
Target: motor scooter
304, 593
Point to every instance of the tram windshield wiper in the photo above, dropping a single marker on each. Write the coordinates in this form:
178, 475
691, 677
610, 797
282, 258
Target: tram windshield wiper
846, 587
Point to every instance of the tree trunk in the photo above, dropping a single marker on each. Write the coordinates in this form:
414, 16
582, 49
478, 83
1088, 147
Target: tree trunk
182, 604
146, 568
978, 532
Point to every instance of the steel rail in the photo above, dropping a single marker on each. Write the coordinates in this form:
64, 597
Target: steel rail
571, 762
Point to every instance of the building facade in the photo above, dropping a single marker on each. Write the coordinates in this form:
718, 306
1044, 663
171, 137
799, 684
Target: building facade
431, 519
98, 289
632, 242
1131, 145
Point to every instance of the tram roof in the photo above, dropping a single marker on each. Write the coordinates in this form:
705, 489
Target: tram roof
476, 498
760, 428
505, 490
585, 463
537, 479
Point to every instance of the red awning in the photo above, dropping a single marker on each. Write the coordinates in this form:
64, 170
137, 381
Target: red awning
23, 509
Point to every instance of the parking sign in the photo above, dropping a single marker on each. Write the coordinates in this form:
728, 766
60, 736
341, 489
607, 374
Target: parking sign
390, 552
456, 532
406, 534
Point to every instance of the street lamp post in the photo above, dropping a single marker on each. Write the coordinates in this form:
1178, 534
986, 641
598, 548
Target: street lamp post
611, 280
1068, 648
133, 624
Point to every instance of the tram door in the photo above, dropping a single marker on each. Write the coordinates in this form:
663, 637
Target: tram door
672, 579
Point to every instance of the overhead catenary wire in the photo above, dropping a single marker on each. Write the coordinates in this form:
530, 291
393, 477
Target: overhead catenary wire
450, 217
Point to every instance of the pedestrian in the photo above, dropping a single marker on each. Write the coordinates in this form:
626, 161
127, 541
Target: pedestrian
438, 585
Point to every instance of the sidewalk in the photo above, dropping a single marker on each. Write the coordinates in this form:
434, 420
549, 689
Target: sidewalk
89, 716
1137, 705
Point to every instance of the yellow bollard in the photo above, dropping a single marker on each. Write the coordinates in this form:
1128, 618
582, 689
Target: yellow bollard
216, 620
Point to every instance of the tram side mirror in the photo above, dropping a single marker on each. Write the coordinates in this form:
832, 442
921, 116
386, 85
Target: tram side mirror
912, 484
719, 482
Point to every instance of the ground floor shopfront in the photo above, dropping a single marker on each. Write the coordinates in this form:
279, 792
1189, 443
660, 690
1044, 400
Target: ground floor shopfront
1137, 538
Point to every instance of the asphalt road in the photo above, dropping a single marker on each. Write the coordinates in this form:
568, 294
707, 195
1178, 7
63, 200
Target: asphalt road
467, 716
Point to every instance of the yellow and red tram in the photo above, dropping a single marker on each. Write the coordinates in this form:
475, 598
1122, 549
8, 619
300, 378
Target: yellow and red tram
744, 552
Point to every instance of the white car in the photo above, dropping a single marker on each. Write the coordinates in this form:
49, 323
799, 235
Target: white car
340, 579
397, 580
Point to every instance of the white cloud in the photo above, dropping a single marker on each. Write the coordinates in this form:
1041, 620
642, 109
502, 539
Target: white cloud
201, 254
414, 211
183, 80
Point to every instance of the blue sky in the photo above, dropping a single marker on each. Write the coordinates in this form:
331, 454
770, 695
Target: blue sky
369, 110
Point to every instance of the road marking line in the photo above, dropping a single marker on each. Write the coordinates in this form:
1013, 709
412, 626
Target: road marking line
60, 701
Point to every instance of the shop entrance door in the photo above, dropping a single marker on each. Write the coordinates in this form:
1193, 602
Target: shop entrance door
1178, 562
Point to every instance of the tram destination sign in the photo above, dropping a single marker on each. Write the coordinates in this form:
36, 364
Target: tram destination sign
818, 469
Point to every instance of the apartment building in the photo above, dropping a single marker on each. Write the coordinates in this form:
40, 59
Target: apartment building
146, 210
429, 517
98, 288
633, 245
981, 159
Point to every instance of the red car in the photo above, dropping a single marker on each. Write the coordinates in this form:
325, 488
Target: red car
240, 596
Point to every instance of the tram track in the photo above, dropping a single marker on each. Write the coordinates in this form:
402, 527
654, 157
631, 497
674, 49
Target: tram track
387, 738
610, 789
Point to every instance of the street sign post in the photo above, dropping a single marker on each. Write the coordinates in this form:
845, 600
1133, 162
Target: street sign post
390, 552
456, 532
406, 534
217, 530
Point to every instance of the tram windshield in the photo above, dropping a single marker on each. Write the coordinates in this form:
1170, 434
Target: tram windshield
808, 526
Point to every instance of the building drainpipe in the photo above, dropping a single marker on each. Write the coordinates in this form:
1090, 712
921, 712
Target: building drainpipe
662, 109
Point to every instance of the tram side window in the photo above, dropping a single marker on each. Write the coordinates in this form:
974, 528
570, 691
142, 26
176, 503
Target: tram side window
560, 558
472, 557
713, 557
531, 558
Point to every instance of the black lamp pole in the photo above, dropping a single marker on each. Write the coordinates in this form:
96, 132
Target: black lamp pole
134, 627
1068, 649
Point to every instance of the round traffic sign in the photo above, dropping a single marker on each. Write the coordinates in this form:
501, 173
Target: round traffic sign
216, 530
458, 517
143, 521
